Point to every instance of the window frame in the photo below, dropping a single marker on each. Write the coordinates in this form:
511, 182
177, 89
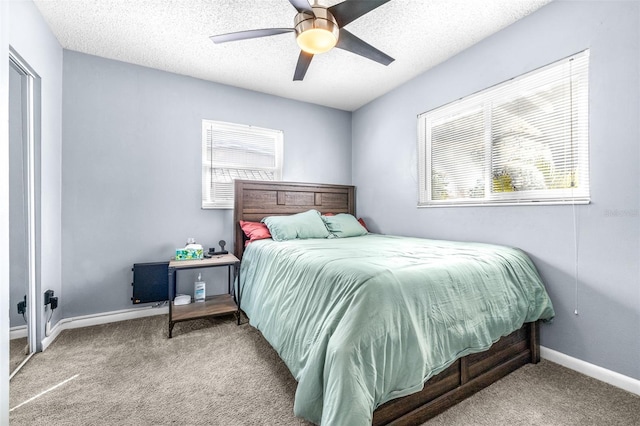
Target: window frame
207, 166
482, 101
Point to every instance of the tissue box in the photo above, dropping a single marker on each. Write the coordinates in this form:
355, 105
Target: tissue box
189, 254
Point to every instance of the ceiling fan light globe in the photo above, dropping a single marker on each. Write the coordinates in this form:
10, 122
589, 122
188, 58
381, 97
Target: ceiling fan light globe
316, 40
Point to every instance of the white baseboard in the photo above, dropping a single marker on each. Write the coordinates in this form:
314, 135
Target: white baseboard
102, 318
616, 379
18, 332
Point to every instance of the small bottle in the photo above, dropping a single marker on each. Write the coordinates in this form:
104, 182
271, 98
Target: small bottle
200, 292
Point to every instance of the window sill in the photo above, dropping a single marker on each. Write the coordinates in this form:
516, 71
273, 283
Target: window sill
509, 203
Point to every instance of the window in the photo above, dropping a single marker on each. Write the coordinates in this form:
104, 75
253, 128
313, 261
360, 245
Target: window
521, 142
235, 151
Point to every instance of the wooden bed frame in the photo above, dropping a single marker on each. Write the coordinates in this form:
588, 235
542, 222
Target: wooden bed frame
255, 200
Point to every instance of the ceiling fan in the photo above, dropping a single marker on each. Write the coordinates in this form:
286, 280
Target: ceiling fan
318, 29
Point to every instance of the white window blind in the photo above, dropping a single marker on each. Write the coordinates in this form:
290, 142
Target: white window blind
235, 151
523, 141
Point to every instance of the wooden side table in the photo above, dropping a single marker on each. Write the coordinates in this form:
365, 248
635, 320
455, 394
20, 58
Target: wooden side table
223, 304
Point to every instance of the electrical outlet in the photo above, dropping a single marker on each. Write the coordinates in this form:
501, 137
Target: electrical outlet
47, 297
22, 307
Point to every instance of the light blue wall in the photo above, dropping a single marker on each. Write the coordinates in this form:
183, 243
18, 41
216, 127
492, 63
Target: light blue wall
132, 169
605, 332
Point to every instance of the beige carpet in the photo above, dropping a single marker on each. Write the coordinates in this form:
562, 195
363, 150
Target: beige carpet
18, 351
216, 373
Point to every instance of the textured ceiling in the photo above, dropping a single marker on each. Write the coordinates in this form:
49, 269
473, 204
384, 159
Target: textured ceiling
173, 35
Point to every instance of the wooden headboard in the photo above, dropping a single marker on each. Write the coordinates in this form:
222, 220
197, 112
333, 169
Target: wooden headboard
255, 200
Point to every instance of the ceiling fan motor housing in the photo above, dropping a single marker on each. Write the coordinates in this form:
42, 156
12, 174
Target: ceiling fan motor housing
323, 22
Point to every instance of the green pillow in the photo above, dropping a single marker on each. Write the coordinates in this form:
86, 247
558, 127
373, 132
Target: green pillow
344, 225
300, 225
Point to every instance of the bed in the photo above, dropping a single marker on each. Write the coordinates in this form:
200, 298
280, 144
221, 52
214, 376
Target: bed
352, 321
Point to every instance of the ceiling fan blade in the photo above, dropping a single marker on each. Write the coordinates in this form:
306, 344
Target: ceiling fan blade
348, 41
302, 6
243, 35
350, 10
303, 63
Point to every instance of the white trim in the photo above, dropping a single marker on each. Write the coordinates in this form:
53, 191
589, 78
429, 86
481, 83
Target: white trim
616, 379
17, 332
497, 204
25, 70
101, 318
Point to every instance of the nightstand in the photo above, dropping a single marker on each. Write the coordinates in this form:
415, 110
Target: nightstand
223, 304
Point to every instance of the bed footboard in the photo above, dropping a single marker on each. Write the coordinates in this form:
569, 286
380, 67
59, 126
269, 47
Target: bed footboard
463, 378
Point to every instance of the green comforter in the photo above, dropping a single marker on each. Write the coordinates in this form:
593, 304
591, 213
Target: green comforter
363, 320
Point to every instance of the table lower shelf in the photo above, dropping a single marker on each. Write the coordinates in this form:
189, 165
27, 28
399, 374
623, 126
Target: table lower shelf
212, 306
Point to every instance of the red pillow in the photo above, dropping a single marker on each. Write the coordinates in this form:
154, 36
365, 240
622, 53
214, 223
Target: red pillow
255, 230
